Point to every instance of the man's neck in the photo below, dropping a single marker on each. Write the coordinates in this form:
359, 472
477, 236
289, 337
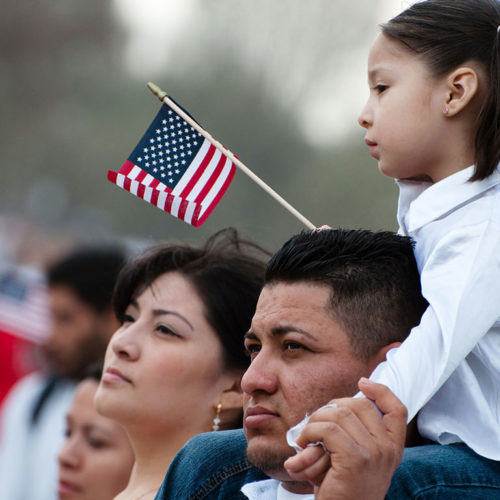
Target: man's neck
300, 488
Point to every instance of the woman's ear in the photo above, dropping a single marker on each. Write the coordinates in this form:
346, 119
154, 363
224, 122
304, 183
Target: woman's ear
462, 85
232, 397
231, 401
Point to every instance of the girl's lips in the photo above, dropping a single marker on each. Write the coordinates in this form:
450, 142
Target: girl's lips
373, 148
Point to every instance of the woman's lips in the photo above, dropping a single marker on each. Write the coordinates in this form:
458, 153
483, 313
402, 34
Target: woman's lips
66, 487
113, 375
256, 416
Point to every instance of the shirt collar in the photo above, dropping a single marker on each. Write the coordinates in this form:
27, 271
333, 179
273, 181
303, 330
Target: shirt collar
422, 202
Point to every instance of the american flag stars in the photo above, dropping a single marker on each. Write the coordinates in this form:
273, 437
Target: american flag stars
174, 146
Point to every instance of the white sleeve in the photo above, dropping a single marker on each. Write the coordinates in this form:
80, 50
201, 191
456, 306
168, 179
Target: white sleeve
461, 281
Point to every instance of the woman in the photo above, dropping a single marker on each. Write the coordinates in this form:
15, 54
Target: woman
173, 368
96, 458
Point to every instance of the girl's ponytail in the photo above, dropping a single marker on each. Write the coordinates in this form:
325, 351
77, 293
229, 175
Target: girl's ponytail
487, 141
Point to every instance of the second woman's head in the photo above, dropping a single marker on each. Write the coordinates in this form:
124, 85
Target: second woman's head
179, 352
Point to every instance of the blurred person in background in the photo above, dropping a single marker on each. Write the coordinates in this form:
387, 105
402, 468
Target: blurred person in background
80, 286
96, 458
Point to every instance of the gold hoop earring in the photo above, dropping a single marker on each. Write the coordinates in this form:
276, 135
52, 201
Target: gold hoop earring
216, 425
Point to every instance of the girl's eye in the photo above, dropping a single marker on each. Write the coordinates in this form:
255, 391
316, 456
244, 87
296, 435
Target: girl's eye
67, 432
380, 88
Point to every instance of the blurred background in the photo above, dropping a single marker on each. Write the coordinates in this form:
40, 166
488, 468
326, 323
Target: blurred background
280, 83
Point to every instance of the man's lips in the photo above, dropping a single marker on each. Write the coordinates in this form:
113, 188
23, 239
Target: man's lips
113, 375
256, 416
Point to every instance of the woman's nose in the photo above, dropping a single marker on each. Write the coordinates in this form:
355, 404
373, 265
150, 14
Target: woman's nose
124, 342
69, 456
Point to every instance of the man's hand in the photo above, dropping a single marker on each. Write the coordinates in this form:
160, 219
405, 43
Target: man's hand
364, 448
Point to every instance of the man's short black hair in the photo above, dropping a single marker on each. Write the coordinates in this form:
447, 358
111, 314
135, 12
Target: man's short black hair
90, 272
373, 278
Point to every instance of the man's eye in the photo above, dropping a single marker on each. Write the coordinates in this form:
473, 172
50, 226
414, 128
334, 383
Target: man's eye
293, 346
252, 349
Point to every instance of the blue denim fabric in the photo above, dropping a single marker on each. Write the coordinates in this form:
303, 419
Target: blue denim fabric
211, 466
445, 472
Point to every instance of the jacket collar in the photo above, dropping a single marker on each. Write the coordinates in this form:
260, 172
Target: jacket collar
423, 202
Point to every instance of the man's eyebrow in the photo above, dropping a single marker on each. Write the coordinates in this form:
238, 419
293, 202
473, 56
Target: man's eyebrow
282, 330
161, 312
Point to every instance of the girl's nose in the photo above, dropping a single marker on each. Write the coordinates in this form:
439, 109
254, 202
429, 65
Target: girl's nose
364, 117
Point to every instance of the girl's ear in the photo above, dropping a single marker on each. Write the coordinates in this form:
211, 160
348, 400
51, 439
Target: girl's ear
462, 85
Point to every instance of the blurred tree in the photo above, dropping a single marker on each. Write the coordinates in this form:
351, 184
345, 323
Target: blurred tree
252, 73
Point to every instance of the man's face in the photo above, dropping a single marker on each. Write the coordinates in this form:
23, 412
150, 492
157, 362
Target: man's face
78, 334
300, 359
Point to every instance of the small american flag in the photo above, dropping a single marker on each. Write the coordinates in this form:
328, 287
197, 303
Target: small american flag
176, 169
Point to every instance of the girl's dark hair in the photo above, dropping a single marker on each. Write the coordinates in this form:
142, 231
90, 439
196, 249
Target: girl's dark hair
447, 33
227, 272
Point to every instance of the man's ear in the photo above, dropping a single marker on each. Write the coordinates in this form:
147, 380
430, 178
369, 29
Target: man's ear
381, 354
461, 86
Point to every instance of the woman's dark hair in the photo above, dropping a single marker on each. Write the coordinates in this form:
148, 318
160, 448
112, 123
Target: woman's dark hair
448, 33
227, 272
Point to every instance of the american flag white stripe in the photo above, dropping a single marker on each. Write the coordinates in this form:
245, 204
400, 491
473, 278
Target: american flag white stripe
193, 168
211, 195
204, 178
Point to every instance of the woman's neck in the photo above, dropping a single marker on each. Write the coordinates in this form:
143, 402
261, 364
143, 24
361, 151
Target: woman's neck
153, 454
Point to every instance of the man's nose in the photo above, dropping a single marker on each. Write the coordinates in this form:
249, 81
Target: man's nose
261, 375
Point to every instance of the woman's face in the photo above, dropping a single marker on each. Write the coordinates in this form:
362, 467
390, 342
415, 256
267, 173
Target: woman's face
163, 368
96, 459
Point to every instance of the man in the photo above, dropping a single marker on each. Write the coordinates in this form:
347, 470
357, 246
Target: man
333, 304
80, 286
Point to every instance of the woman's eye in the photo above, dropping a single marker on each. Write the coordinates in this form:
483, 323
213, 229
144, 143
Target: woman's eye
67, 432
128, 318
96, 442
165, 330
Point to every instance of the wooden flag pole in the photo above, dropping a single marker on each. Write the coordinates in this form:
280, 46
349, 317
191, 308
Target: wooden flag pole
162, 96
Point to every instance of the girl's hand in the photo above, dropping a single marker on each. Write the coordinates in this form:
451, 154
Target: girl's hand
364, 448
